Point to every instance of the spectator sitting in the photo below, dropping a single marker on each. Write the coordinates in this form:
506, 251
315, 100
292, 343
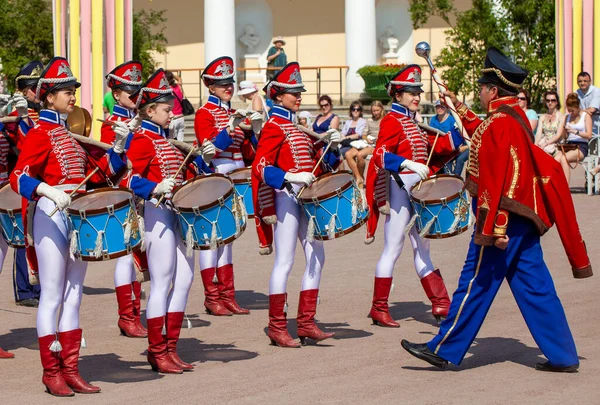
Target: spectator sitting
276, 58
443, 121
327, 119
576, 127
548, 124
524, 102
356, 156
177, 125
305, 119
589, 98
108, 103
354, 127
256, 102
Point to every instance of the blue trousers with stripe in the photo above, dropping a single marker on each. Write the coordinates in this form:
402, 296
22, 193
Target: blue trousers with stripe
522, 264
22, 287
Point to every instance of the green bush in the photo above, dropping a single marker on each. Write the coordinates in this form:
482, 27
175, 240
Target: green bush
387, 69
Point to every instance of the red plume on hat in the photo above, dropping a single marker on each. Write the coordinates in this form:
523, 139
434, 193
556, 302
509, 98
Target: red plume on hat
407, 79
155, 90
219, 71
57, 75
287, 80
127, 76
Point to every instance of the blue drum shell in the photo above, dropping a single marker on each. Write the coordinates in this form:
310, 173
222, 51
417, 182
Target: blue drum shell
118, 205
242, 182
333, 193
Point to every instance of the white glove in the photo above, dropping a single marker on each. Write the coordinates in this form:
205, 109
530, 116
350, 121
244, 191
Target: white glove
164, 187
60, 198
256, 116
208, 151
303, 178
256, 120
122, 133
333, 136
236, 119
20, 104
4, 98
419, 168
134, 123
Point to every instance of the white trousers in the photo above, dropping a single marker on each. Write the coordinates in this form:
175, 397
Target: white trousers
291, 226
209, 259
61, 276
171, 272
400, 214
3, 252
124, 271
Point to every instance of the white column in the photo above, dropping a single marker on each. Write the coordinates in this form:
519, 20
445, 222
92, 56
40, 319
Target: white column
219, 29
361, 42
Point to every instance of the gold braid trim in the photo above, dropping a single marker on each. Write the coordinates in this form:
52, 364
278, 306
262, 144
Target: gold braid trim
501, 77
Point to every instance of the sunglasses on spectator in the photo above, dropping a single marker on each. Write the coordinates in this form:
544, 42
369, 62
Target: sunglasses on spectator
522, 98
356, 109
551, 100
324, 105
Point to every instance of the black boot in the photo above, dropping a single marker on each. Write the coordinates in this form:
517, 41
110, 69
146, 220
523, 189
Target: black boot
556, 369
421, 351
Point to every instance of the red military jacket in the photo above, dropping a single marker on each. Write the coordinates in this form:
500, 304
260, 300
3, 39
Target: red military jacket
211, 123
120, 114
401, 138
508, 174
282, 148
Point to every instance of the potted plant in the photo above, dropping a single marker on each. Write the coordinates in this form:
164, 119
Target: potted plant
376, 77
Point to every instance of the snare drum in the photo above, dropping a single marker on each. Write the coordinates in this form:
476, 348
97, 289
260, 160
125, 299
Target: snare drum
10, 216
334, 206
210, 212
441, 206
104, 224
242, 183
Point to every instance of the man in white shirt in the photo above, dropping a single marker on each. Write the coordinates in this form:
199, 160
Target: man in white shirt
589, 98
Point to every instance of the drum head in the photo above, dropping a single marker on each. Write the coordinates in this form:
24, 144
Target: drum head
326, 185
437, 187
99, 199
201, 192
9, 200
242, 175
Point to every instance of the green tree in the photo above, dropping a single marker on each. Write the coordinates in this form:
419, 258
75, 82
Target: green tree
149, 38
421, 10
25, 35
524, 30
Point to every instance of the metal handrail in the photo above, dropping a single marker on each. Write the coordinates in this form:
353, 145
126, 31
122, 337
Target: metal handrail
308, 73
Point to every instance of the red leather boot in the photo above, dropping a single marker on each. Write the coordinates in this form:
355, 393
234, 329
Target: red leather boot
69, 362
435, 289
6, 355
278, 332
227, 290
380, 308
52, 377
136, 287
126, 322
307, 308
157, 348
212, 301
173, 326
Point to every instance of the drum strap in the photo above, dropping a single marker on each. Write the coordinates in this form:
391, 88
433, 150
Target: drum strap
398, 180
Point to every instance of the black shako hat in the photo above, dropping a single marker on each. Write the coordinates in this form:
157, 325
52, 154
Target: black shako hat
501, 71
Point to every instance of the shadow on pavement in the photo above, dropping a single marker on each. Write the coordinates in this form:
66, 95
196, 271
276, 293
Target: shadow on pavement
417, 310
252, 300
98, 291
196, 321
193, 350
18, 338
343, 332
110, 368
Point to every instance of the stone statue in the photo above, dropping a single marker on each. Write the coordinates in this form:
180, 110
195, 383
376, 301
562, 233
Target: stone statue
389, 43
249, 39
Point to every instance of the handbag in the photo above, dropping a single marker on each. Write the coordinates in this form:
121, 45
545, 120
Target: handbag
186, 106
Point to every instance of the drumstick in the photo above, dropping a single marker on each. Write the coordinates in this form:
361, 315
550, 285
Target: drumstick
310, 132
77, 188
429, 158
177, 173
431, 129
315, 168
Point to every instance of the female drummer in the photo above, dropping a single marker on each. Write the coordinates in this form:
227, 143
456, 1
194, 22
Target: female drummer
156, 171
217, 122
399, 161
51, 165
285, 161
123, 81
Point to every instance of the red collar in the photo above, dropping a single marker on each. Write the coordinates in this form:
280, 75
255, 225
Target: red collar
511, 101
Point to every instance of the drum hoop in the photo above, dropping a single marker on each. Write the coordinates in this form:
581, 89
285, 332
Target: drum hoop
323, 197
344, 232
134, 249
438, 176
458, 231
241, 181
4, 210
209, 205
104, 210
